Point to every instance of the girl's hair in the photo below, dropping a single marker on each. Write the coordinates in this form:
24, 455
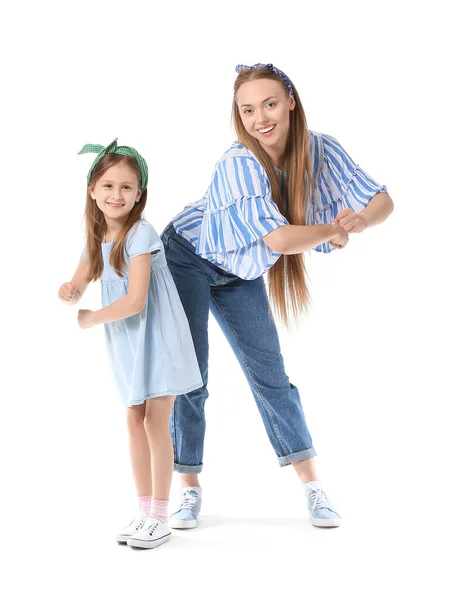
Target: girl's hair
287, 278
96, 226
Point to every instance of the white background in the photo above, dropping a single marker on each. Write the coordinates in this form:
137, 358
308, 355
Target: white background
371, 358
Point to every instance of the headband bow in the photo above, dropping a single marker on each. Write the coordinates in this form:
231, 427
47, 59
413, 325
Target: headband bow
274, 69
113, 148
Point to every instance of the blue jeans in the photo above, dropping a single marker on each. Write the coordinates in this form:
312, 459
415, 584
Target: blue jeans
242, 311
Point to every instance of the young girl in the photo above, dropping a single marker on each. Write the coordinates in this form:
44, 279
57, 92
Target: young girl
279, 191
148, 336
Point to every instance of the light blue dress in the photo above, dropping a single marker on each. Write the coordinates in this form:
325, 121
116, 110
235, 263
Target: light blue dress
152, 352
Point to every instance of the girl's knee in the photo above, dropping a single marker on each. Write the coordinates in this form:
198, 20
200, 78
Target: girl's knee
152, 425
135, 416
156, 428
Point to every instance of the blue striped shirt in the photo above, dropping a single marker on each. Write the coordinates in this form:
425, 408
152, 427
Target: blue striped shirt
237, 211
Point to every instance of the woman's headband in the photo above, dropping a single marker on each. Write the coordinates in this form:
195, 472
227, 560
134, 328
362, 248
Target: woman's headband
272, 68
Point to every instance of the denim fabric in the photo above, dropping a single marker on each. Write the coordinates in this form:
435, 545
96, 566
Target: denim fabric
242, 311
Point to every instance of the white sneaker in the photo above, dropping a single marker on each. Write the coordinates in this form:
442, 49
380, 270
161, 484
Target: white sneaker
136, 524
152, 534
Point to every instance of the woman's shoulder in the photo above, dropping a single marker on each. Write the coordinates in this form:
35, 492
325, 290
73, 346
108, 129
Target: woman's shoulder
239, 163
325, 151
237, 153
319, 142
237, 174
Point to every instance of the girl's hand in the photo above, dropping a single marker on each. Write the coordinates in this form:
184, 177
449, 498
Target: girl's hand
67, 292
351, 221
85, 318
340, 239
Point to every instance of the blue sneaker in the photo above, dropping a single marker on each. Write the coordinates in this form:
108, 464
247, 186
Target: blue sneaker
190, 505
320, 508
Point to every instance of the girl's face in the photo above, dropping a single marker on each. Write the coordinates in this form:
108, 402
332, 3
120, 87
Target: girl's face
264, 107
116, 192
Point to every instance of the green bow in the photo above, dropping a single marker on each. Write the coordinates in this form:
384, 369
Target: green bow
115, 149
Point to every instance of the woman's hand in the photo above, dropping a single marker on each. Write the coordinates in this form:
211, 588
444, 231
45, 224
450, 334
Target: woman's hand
340, 239
85, 318
351, 221
67, 293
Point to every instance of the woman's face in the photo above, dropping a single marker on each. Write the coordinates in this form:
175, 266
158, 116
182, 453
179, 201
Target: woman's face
264, 107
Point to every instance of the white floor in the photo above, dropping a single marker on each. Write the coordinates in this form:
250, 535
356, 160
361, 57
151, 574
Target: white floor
266, 552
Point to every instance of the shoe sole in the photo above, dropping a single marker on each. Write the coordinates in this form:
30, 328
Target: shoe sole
148, 545
122, 539
174, 524
325, 522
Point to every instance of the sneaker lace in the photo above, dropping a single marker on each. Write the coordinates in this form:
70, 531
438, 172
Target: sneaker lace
189, 499
320, 500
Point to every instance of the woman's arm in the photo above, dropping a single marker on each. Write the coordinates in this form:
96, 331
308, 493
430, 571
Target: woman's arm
130, 304
293, 239
377, 211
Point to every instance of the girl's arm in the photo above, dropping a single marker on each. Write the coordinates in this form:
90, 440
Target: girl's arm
293, 239
71, 291
130, 304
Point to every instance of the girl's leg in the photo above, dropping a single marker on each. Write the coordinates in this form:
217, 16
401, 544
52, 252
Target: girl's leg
156, 424
140, 457
155, 530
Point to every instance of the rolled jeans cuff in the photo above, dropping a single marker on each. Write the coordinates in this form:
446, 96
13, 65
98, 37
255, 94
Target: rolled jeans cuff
188, 468
291, 458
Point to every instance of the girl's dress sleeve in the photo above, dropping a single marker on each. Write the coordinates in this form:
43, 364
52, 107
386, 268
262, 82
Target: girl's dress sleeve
341, 183
239, 213
142, 239
84, 254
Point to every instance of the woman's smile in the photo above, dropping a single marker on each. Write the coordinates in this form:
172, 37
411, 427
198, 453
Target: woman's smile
267, 130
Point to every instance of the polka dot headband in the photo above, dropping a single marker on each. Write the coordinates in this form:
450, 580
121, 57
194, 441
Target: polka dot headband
272, 68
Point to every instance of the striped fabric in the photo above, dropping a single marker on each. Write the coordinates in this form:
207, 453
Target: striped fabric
228, 224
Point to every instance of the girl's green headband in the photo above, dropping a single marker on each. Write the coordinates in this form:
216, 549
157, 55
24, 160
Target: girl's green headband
113, 148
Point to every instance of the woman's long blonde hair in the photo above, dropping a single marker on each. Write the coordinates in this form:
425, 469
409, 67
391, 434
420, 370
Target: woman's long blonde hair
287, 278
96, 226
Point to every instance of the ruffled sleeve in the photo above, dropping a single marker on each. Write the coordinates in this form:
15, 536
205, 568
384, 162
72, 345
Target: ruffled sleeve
339, 184
142, 239
239, 213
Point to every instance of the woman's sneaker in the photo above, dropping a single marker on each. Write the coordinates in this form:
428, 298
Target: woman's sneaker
186, 517
152, 534
132, 528
320, 508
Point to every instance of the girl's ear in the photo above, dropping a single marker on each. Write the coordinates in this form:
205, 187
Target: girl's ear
91, 192
291, 102
137, 199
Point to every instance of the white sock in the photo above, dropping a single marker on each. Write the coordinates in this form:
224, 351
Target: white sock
312, 485
197, 489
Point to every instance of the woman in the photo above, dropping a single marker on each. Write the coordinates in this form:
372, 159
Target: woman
278, 191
